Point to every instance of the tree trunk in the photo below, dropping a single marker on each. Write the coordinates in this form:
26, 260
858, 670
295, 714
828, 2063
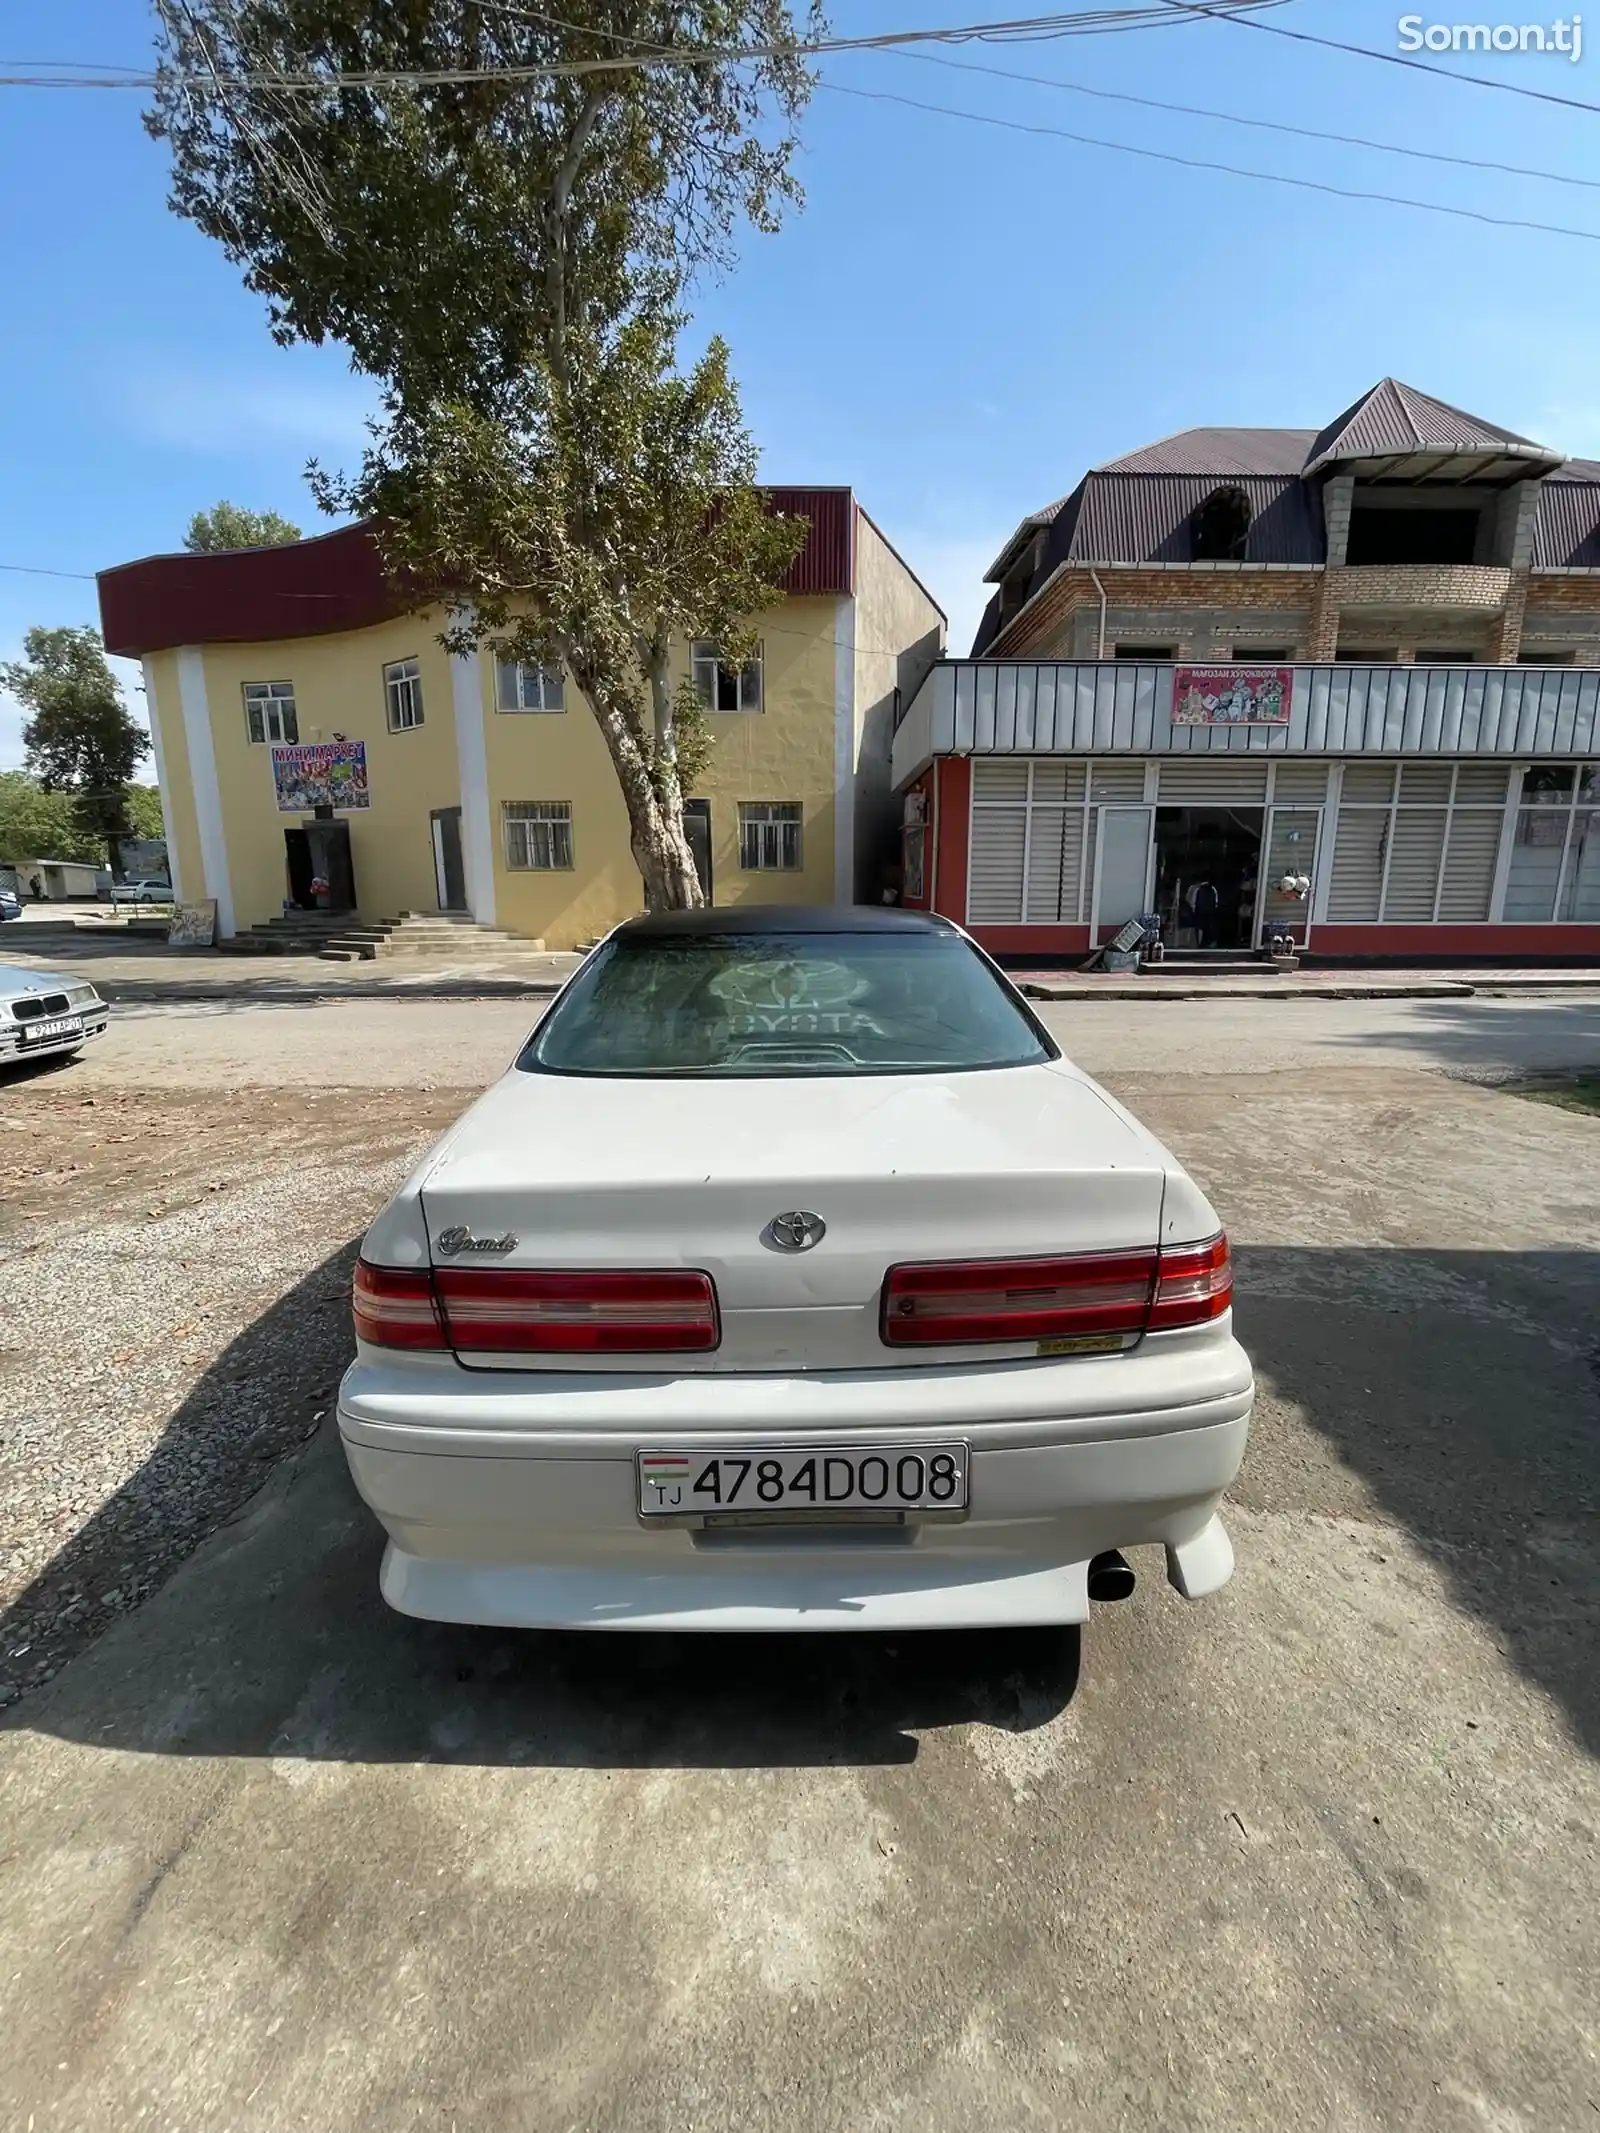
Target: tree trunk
656, 833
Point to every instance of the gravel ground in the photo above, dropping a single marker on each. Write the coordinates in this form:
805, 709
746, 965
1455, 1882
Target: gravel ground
175, 1318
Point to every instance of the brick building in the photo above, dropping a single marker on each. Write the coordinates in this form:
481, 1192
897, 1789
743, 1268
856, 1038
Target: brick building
1341, 681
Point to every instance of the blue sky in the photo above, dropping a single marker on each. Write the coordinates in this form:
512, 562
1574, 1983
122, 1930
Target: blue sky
960, 322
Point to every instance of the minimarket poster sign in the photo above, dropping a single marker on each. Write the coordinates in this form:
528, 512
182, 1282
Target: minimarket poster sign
1231, 696
320, 774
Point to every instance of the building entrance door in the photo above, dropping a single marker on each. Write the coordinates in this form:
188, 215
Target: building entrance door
1122, 870
697, 828
1208, 868
449, 875
315, 853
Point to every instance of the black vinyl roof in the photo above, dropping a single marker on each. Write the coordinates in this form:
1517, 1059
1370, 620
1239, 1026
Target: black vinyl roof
779, 918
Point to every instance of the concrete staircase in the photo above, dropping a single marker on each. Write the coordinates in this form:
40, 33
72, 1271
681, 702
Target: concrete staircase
343, 938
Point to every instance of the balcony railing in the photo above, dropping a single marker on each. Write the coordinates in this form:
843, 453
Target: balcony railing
1124, 707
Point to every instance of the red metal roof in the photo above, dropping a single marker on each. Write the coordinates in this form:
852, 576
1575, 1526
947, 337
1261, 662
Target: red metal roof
337, 582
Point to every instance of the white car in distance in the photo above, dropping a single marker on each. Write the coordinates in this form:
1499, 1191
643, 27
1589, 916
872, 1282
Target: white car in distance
792, 1278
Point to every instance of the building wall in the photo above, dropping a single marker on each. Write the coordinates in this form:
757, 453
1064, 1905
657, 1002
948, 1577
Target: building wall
1206, 610
898, 634
338, 685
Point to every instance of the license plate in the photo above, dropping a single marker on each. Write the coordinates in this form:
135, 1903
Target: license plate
44, 1032
755, 1482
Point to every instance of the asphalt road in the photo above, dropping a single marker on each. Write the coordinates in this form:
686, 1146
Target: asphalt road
1317, 1853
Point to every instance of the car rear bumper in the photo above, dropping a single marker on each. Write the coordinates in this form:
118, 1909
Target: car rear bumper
537, 1526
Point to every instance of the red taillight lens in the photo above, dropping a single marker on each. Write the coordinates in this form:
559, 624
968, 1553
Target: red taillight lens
492, 1309
1017, 1299
1092, 1293
395, 1309
1196, 1285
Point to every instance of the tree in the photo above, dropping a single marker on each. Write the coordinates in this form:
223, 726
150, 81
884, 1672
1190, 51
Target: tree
509, 256
35, 824
228, 525
79, 739
144, 811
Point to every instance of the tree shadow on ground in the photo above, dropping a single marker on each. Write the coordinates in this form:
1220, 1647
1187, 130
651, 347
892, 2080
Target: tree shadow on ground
1453, 1392
1485, 1033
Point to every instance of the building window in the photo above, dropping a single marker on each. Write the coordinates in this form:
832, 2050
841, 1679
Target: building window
538, 835
769, 836
1449, 656
1547, 659
1263, 655
402, 689
521, 687
1555, 858
269, 711
1221, 527
720, 687
1145, 651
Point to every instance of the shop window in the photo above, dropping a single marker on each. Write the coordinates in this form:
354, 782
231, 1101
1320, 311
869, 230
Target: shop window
402, 690
538, 835
721, 687
522, 687
1555, 857
269, 711
770, 834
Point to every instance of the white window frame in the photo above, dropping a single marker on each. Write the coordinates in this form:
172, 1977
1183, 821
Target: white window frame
710, 676
402, 694
536, 836
1519, 803
274, 702
530, 689
775, 827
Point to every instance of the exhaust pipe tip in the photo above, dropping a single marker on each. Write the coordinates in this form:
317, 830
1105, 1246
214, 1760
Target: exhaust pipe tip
1110, 1576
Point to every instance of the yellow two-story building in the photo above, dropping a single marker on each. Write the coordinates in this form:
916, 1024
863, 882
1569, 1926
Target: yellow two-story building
318, 749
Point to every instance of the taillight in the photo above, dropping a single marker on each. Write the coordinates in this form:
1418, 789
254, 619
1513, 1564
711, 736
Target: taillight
488, 1309
395, 1308
1196, 1285
1017, 1299
1089, 1295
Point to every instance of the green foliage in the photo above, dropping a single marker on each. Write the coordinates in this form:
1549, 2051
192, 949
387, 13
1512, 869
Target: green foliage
509, 257
144, 811
35, 824
228, 525
78, 738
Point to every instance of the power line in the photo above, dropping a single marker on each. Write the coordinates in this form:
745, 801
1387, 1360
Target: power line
35, 570
1389, 59
1232, 170
1025, 29
1239, 118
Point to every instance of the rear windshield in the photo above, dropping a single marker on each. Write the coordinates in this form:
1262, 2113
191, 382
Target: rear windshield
776, 1003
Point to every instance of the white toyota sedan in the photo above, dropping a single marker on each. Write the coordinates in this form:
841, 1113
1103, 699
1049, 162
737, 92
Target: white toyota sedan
792, 1278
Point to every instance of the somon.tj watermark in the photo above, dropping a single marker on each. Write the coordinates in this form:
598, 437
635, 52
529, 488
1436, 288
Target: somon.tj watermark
1564, 35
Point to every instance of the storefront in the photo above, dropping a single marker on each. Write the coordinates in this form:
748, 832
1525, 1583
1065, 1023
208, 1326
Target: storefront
1440, 812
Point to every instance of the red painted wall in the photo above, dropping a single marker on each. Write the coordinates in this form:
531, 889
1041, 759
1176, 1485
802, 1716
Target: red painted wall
1068, 943
952, 820
1399, 943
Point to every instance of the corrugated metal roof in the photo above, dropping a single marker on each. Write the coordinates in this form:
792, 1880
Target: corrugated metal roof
1566, 533
1215, 451
1146, 518
1394, 419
